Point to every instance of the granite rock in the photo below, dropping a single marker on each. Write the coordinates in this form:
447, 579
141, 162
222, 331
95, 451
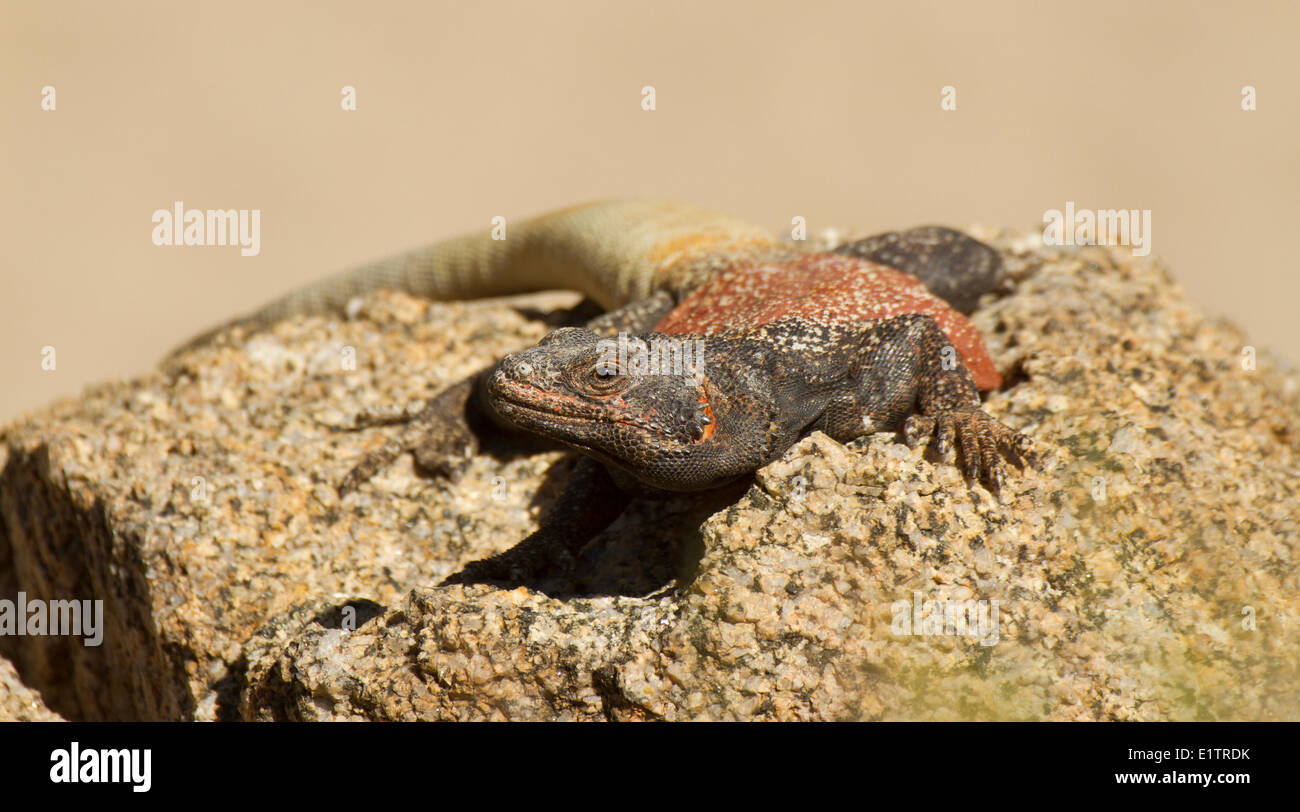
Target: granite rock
1145, 570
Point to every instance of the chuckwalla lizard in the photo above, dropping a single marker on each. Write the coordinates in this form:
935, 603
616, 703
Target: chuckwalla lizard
848, 342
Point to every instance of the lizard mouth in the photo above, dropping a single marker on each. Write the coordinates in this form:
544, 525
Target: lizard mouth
509, 395
526, 405
511, 406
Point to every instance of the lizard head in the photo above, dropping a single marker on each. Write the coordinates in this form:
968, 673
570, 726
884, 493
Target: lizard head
657, 407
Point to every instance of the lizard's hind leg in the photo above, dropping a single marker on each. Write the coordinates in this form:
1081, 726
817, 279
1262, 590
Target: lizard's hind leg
907, 365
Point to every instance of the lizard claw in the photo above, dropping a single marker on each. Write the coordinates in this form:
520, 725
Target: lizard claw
983, 441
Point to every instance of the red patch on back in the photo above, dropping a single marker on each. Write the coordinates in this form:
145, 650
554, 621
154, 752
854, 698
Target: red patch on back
824, 289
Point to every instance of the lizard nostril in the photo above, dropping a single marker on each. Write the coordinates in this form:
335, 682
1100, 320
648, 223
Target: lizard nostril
525, 368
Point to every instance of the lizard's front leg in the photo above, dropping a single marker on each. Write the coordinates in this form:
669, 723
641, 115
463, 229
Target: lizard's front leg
437, 431
441, 432
908, 362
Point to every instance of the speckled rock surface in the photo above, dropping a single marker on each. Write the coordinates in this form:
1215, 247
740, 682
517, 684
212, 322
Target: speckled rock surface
1147, 570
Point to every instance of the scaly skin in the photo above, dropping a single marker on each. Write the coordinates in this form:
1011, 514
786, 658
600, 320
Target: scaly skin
615, 252
816, 341
954, 268
792, 342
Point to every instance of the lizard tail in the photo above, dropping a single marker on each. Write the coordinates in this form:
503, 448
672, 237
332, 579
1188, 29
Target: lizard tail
614, 252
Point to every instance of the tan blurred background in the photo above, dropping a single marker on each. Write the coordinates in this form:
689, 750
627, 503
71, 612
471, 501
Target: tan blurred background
466, 111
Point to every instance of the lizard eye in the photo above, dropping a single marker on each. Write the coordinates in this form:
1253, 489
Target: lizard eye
605, 378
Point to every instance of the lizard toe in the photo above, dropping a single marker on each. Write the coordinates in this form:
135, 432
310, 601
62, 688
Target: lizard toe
946, 439
970, 452
917, 430
388, 414
984, 444
1023, 449
991, 465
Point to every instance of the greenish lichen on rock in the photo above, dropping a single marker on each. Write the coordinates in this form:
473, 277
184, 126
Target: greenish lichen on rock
1145, 570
